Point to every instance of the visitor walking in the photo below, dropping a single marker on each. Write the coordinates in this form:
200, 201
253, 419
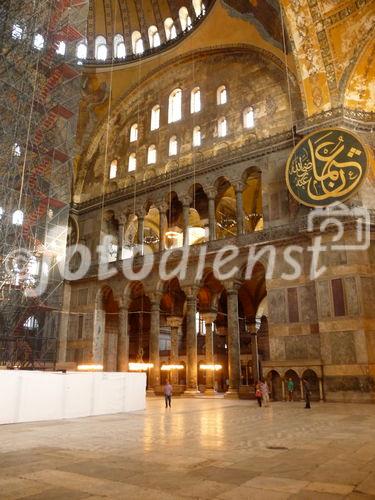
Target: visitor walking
290, 386
307, 391
258, 394
168, 394
265, 392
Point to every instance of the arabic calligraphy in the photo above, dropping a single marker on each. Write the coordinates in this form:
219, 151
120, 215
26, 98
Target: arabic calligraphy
326, 167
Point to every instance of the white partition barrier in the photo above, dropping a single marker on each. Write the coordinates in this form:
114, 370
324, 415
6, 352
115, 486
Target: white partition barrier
27, 396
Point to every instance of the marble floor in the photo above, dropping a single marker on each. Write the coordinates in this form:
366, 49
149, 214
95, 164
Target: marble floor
201, 449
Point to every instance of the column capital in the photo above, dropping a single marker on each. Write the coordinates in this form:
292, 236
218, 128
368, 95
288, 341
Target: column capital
162, 207
124, 303
155, 298
140, 213
174, 321
122, 219
191, 291
211, 192
232, 286
186, 201
239, 186
209, 316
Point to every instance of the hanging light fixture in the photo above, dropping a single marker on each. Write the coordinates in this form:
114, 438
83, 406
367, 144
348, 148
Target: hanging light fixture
90, 368
165, 368
211, 367
140, 366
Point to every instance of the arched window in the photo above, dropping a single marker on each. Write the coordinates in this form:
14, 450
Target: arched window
173, 146
134, 132
175, 105
155, 117
199, 7
222, 127
33, 266
100, 48
16, 149
151, 154
195, 100
221, 95
197, 138
17, 32
119, 49
154, 37
137, 43
113, 170
132, 165
170, 29
61, 48
185, 19
38, 41
81, 50
31, 323
248, 117
17, 218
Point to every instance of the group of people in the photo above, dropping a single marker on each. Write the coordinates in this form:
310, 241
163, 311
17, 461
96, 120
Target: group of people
263, 397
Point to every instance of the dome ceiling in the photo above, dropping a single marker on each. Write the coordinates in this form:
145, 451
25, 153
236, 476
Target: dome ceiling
129, 18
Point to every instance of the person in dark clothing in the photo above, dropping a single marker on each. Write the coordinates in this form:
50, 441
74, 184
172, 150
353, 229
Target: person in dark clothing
258, 394
306, 389
168, 394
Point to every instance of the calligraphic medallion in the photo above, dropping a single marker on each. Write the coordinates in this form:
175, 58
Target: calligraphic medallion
326, 167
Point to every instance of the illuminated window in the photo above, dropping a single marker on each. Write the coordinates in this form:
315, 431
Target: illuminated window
134, 132
200, 324
222, 96
17, 218
132, 165
137, 43
17, 32
155, 117
222, 127
170, 29
195, 100
185, 19
31, 323
173, 146
81, 50
61, 48
16, 149
119, 49
199, 7
33, 266
151, 154
197, 138
248, 117
38, 41
154, 37
100, 48
175, 105
113, 170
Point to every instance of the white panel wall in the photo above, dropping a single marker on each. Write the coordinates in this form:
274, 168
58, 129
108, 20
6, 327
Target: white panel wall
27, 396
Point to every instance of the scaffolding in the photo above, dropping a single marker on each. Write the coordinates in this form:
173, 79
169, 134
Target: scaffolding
40, 80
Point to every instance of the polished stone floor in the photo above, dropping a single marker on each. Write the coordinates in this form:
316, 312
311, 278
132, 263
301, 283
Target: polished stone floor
201, 449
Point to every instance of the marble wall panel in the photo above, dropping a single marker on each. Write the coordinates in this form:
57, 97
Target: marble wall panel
343, 348
277, 306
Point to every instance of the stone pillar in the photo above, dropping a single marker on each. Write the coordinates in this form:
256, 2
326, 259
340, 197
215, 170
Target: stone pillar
191, 343
120, 240
185, 213
255, 355
141, 224
209, 318
211, 194
174, 322
63, 324
154, 342
301, 389
163, 223
234, 363
239, 187
321, 394
123, 340
283, 389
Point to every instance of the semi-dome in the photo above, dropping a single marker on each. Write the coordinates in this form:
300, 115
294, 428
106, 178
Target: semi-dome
122, 30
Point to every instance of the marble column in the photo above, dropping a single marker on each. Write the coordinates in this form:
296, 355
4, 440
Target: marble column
239, 187
123, 340
209, 319
64, 324
185, 214
163, 223
141, 229
321, 394
191, 344
174, 322
234, 362
211, 194
255, 355
154, 343
120, 240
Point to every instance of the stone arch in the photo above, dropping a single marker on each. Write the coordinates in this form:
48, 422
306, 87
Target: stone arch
294, 376
275, 385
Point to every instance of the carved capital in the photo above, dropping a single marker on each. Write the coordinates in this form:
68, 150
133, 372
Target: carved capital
239, 186
232, 286
162, 207
211, 192
174, 321
186, 201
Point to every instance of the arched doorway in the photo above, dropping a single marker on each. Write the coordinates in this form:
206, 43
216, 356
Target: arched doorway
275, 385
291, 374
313, 381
